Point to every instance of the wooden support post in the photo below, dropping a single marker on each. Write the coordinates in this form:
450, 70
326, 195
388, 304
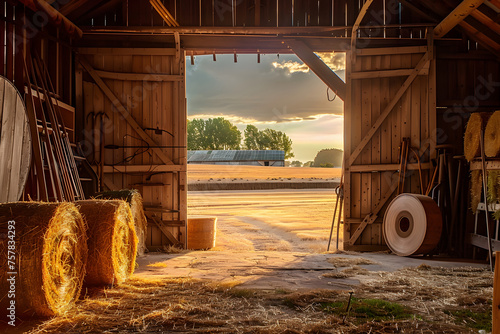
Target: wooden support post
125, 113
496, 296
456, 16
329, 77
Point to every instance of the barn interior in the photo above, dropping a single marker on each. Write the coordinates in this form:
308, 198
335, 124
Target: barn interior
95, 103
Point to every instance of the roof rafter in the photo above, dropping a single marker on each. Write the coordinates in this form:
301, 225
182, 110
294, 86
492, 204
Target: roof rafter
456, 16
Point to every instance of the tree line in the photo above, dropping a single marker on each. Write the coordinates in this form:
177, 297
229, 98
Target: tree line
220, 134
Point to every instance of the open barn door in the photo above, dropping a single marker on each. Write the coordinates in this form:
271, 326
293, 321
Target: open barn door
135, 131
391, 95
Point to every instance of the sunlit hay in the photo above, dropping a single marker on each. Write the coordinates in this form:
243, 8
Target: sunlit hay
339, 262
134, 199
158, 265
476, 187
311, 236
50, 256
172, 249
492, 135
477, 122
493, 186
112, 241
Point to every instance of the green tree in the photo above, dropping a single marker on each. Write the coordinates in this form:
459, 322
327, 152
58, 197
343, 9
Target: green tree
296, 163
213, 134
308, 164
268, 139
251, 137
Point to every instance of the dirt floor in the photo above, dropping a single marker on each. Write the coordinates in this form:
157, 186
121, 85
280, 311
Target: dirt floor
270, 274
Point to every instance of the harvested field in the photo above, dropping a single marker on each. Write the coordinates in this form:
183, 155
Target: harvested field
225, 173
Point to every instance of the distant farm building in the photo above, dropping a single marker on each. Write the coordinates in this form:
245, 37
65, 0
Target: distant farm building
238, 157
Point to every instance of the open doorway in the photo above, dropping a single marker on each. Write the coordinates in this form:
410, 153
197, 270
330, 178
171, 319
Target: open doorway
261, 207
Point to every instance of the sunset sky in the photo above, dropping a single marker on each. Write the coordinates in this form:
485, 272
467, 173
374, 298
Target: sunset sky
279, 93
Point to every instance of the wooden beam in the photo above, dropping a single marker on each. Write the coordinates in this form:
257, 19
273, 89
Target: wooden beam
164, 231
128, 51
456, 16
144, 168
391, 51
383, 115
387, 167
355, 27
164, 13
329, 77
139, 76
122, 110
386, 74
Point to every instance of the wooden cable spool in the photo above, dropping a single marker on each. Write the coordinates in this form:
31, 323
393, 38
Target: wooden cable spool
412, 225
15, 143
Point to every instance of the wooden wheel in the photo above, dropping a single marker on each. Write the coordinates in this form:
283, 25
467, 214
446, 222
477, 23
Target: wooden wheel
15, 143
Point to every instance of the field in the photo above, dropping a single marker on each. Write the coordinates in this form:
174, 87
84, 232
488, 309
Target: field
213, 173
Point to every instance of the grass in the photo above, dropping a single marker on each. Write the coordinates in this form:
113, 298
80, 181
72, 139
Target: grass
474, 320
363, 310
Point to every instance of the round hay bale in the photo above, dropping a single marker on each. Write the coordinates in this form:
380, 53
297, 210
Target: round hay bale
134, 199
476, 187
112, 241
49, 258
476, 123
492, 135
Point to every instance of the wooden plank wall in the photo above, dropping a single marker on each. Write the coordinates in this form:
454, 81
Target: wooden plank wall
374, 172
153, 104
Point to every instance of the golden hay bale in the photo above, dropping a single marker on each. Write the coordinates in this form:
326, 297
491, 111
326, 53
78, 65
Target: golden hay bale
112, 241
493, 186
492, 135
477, 122
476, 186
49, 258
134, 199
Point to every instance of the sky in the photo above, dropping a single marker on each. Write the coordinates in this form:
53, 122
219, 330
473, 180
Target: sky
280, 93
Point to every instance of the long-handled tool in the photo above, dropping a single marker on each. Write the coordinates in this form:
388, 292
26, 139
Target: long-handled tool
485, 194
339, 190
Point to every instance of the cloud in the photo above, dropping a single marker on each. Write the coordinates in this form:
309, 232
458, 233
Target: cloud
249, 92
291, 66
336, 61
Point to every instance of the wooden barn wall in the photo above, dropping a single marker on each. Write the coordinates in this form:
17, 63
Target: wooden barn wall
21, 35
154, 102
467, 83
264, 13
371, 180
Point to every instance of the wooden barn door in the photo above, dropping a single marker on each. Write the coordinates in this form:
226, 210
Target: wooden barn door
391, 95
135, 130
